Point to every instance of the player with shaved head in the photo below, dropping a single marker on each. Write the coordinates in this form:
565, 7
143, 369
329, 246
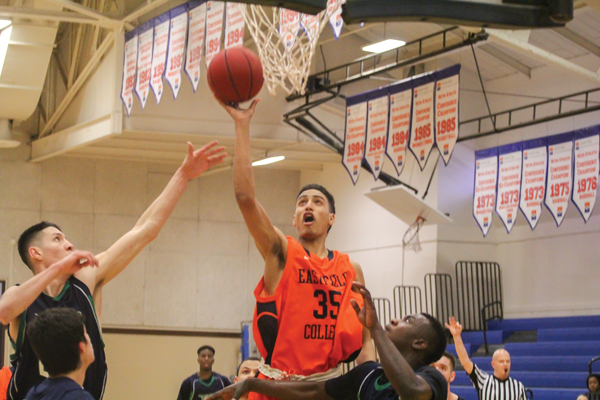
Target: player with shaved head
304, 325
497, 386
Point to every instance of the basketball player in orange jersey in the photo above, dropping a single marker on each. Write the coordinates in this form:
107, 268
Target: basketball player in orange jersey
304, 325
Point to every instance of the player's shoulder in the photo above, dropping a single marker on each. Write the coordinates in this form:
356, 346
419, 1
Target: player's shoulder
435, 379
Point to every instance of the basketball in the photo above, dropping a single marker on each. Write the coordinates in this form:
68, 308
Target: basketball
235, 75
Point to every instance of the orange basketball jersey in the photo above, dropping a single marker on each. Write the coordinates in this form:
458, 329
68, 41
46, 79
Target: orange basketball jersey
308, 325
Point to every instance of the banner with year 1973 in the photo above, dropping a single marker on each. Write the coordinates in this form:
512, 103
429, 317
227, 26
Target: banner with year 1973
354, 136
176, 47
195, 41
558, 181
421, 129
399, 124
585, 171
533, 181
509, 183
129, 69
159, 54
484, 192
144, 68
377, 129
446, 110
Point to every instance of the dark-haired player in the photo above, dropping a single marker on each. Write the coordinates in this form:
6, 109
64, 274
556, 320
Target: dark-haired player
304, 326
205, 381
60, 278
446, 365
406, 349
59, 340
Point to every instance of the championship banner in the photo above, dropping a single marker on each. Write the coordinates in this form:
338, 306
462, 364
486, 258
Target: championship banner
159, 54
558, 182
176, 47
509, 183
484, 193
377, 128
421, 130
234, 25
399, 125
354, 135
144, 62
335, 16
585, 171
446, 110
195, 41
533, 180
289, 26
214, 27
310, 24
129, 69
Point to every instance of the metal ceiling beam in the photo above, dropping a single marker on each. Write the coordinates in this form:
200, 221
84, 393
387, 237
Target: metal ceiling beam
579, 40
88, 12
56, 16
145, 9
506, 59
508, 40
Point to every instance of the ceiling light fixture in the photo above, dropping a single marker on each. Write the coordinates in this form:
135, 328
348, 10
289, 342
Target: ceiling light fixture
384, 46
4, 39
269, 160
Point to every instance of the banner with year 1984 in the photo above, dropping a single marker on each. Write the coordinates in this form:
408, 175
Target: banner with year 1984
129, 69
399, 124
484, 192
533, 181
558, 181
195, 41
354, 136
176, 47
446, 110
421, 129
144, 68
159, 54
585, 171
509, 183
377, 129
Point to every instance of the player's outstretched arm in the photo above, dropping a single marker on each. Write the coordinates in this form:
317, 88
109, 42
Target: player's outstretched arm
17, 298
407, 384
456, 329
270, 241
368, 350
286, 390
124, 250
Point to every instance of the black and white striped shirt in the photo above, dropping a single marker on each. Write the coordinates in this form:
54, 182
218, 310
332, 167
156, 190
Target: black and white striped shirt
491, 388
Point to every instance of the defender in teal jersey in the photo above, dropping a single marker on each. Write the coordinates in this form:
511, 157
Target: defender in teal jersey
205, 381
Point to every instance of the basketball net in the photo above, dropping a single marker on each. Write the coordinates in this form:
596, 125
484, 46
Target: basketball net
410, 241
285, 48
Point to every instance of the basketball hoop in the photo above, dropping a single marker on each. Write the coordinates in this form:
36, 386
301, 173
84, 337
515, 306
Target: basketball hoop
286, 42
410, 241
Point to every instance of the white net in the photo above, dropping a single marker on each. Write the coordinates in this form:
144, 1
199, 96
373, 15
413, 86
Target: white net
286, 42
410, 241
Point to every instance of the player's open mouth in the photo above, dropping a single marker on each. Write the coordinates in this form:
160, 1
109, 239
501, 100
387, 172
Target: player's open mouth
308, 219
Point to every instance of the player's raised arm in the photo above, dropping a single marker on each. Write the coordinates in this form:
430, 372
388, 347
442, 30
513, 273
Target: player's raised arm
368, 350
456, 329
124, 250
270, 241
287, 390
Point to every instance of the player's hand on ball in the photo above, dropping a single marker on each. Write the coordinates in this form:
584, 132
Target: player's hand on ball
198, 161
239, 115
366, 315
454, 327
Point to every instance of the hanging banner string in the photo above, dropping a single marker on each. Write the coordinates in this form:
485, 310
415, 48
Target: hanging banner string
354, 135
585, 171
484, 192
533, 181
144, 61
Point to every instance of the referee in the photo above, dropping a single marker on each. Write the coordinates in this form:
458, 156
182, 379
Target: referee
489, 387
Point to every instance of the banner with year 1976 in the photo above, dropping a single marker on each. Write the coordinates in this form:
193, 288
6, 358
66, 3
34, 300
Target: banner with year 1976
585, 171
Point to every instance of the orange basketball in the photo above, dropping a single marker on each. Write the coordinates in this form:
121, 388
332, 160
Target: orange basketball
235, 75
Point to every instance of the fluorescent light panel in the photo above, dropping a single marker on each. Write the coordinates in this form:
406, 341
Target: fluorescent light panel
269, 160
384, 46
4, 39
